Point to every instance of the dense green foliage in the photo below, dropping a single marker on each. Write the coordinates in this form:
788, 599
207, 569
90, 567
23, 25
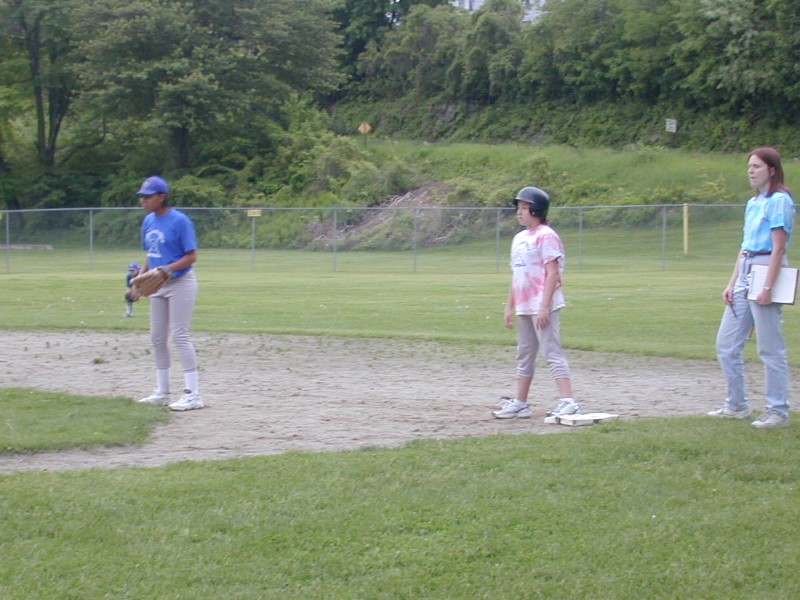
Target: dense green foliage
602, 72
350, 182
121, 89
245, 102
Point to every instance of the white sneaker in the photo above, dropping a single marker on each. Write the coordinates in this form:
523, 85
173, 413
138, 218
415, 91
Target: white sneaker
504, 400
189, 401
727, 413
513, 409
567, 406
770, 420
157, 399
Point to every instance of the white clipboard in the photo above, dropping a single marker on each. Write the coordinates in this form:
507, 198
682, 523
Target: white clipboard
784, 290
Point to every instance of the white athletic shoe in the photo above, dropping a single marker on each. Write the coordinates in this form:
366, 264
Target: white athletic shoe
770, 420
567, 406
157, 399
727, 413
513, 409
189, 401
504, 400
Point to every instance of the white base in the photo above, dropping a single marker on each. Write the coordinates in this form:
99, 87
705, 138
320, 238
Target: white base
578, 420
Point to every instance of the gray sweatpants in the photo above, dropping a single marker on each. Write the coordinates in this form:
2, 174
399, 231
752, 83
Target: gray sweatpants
171, 310
530, 340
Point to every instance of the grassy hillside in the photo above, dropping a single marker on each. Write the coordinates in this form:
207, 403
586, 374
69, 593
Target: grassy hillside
481, 174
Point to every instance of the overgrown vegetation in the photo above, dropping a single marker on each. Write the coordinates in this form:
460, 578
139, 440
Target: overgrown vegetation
236, 107
378, 190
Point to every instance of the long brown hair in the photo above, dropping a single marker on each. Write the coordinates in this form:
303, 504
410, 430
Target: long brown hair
772, 158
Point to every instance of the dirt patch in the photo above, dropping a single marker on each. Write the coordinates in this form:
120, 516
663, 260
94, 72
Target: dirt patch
26, 247
267, 394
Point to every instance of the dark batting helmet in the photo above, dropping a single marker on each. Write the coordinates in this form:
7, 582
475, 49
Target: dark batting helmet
537, 198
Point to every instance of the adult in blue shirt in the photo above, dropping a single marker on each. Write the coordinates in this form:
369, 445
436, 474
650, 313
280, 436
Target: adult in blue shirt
168, 238
769, 218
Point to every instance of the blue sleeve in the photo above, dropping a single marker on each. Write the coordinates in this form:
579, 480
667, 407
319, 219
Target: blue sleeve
188, 236
145, 223
780, 212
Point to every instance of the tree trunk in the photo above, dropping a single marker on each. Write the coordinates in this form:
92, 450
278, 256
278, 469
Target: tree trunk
51, 99
182, 150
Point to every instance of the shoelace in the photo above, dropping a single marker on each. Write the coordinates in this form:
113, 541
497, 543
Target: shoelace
562, 405
507, 405
768, 414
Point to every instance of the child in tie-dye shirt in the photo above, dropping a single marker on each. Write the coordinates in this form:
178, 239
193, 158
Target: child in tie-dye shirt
535, 300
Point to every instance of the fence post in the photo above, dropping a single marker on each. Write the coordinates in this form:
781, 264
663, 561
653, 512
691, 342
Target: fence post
91, 239
416, 215
580, 238
664, 236
685, 229
336, 234
8, 241
253, 243
497, 240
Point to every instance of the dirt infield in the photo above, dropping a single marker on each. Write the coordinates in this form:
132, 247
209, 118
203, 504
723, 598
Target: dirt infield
267, 394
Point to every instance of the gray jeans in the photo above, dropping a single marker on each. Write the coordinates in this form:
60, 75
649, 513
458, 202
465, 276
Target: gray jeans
737, 322
530, 340
171, 310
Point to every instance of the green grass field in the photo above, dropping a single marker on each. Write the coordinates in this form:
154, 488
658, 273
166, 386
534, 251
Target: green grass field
627, 293
673, 508
683, 508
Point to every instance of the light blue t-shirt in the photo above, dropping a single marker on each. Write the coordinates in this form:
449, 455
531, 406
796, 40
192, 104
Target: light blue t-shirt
168, 238
762, 215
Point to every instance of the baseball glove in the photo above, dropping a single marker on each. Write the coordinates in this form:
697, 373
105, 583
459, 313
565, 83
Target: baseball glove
131, 297
151, 281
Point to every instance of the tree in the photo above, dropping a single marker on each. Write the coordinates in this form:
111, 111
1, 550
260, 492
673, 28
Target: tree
569, 50
639, 67
417, 57
365, 22
491, 54
40, 31
739, 56
188, 74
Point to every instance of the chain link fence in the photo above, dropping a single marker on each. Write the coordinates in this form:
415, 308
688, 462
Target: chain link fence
474, 239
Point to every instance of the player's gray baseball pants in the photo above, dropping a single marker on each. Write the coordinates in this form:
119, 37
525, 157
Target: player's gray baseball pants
171, 310
530, 340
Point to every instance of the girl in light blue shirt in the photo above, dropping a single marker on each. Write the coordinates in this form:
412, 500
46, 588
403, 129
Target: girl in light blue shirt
769, 220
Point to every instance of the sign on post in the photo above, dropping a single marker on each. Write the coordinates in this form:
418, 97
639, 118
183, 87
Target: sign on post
365, 129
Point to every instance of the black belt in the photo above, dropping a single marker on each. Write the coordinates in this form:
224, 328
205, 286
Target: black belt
751, 253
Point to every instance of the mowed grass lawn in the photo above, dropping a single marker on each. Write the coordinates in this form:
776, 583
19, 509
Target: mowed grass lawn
683, 508
627, 293
672, 508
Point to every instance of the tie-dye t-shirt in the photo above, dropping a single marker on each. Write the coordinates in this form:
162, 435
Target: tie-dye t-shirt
530, 251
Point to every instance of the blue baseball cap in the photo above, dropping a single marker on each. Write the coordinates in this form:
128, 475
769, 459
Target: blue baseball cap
153, 185
133, 267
